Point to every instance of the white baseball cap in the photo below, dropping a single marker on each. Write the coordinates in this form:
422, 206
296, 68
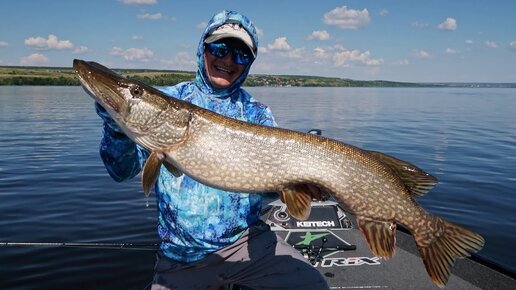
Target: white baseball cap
233, 30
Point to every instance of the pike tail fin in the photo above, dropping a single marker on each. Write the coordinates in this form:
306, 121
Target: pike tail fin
440, 253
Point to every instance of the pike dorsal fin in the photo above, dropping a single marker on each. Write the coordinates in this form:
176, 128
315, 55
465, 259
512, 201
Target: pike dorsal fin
298, 199
417, 181
150, 171
380, 236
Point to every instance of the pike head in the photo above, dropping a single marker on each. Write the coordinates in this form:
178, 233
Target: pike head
145, 114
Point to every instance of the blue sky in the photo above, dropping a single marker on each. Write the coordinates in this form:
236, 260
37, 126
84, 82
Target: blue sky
404, 40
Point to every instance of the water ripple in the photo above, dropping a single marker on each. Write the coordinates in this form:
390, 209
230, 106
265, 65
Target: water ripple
54, 187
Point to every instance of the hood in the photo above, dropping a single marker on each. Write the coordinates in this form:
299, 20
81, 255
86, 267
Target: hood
201, 78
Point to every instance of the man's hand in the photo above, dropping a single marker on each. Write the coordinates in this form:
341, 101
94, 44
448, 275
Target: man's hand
108, 121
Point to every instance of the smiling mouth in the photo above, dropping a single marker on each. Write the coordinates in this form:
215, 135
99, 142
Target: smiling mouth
224, 69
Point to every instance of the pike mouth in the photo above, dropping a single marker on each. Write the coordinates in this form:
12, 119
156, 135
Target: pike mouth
107, 99
100, 83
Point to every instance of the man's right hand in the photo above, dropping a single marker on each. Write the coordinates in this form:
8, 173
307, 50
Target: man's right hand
104, 115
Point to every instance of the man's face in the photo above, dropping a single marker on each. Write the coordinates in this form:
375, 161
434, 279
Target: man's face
223, 71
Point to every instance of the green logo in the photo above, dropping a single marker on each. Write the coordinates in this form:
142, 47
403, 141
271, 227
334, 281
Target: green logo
309, 237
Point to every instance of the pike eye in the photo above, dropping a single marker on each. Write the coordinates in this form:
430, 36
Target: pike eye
136, 91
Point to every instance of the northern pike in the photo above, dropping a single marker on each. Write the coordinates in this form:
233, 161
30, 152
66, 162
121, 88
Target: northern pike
233, 155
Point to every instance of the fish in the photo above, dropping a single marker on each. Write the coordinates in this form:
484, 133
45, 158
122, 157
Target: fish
233, 155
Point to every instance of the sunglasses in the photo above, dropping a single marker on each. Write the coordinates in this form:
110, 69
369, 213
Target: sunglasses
222, 49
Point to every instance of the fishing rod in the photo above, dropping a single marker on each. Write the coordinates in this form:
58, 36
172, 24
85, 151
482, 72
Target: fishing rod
92, 245
96, 245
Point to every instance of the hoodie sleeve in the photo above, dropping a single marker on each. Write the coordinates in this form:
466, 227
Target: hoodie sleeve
121, 156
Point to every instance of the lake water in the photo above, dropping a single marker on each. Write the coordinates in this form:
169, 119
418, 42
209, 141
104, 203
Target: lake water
54, 188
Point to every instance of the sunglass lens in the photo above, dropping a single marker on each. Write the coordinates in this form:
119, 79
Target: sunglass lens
241, 57
220, 50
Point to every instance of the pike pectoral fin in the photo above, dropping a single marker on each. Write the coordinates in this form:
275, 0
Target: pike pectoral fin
298, 199
380, 235
172, 169
417, 181
151, 171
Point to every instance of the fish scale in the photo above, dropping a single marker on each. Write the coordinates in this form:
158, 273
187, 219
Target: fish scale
233, 155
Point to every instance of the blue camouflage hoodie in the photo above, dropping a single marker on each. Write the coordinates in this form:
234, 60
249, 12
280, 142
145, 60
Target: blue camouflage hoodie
194, 219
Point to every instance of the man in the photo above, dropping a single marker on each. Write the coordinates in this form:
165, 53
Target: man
211, 238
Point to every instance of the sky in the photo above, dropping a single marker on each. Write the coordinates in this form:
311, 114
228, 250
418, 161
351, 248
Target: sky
398, 40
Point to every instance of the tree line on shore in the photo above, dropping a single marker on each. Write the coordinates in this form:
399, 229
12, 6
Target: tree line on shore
40, 76
19, 76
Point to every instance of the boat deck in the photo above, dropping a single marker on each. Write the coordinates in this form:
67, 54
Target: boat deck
354, 266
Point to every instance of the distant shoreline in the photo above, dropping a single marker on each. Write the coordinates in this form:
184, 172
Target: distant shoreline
62, 76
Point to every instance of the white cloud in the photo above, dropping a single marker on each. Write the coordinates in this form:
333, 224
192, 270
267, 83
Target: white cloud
139, 54
343, 58
139, 2
259, 32
332, 58
491, 44
34, 59
468, 41
296, 53
320, 52
181, 61
81, 49
52, 42
450, 50
420, 54
137, 37
384, 12
319, 35
345, 18
280, 44
512, 44
262, 50
448, 24
402, 62
147, 16
4, 44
